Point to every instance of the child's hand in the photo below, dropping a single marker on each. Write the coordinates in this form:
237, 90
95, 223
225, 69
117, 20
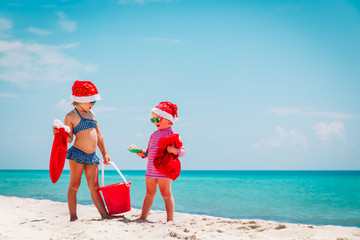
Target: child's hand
55, 130
107, 159
173, 150
141, 153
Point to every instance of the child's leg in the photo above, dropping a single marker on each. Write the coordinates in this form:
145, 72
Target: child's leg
165, 189
151, 185
75, 180
92, 178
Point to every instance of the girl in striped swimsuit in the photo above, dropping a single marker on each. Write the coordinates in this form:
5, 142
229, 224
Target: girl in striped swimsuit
163, 116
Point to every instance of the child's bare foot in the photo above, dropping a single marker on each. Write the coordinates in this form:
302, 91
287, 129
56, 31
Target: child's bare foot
139, 219
73, 219
170, 222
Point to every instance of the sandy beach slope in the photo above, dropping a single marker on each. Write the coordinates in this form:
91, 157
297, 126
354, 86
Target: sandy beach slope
25, 218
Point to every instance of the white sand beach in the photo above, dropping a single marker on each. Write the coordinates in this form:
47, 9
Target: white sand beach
25, 218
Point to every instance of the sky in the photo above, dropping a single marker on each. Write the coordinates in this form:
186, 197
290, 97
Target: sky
260, 85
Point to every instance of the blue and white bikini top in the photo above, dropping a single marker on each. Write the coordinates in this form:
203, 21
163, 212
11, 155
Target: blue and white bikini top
84, 123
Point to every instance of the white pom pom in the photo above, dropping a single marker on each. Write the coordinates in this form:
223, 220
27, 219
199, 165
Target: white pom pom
59, 124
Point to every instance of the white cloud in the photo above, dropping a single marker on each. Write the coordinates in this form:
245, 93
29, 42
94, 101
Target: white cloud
5, 25
282, 138
38, 31
71, 45
64, 105
295, 111
326, 131
22, 63
8, 95
66, 24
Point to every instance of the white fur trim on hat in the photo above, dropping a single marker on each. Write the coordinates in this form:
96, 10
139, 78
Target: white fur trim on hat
164, 114
92, 98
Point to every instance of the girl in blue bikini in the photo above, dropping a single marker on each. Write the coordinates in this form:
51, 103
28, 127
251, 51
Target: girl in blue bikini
82, 156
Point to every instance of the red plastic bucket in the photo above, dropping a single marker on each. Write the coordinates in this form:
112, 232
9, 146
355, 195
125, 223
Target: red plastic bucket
116, 196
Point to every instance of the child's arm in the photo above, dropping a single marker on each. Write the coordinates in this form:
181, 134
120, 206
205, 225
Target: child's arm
68, 120
180, 152
134, 149
101, 145
67, 124
172, 149
141, 154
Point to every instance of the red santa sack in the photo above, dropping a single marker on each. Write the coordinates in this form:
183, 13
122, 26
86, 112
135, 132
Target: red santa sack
58, 151
165, 162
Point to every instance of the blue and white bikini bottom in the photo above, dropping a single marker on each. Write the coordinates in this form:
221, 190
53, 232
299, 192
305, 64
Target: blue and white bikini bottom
81, 157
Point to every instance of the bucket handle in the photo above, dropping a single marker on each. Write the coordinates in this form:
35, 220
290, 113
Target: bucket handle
117, 169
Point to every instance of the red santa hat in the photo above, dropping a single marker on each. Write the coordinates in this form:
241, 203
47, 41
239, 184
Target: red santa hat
84, 91
166, 110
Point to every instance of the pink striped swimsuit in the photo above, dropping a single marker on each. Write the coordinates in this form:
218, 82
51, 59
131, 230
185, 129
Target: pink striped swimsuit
152, 149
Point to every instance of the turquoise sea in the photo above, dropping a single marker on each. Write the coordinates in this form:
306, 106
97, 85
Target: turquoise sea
308, 197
